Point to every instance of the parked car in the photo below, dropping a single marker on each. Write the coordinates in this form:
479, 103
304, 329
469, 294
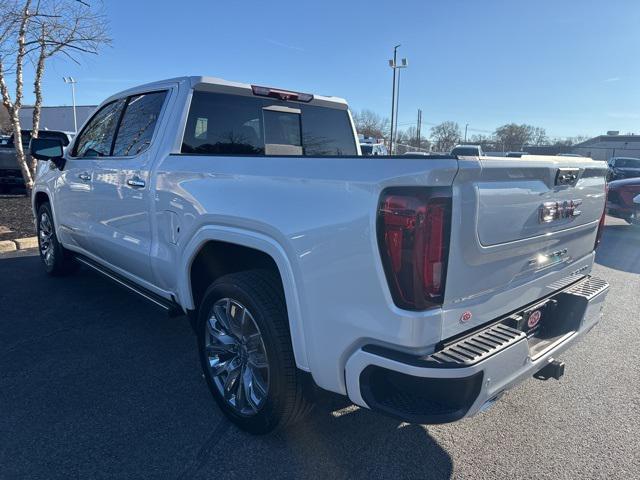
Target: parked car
569, 155
515, 154
413, 288
424, 154
373, 149
10, 173
624, 167
467, 151
620, 199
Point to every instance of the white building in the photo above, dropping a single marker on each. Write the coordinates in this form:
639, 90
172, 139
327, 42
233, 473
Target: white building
604, 147
56, 118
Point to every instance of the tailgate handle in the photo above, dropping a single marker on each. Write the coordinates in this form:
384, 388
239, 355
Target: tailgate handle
567, 176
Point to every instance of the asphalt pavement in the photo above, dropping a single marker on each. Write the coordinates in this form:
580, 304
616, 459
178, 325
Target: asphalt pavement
95, 383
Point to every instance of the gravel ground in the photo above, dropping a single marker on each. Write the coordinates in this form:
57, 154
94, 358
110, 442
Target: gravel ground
16, 219
95, 383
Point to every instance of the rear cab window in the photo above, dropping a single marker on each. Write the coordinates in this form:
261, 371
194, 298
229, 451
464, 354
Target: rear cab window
227, 124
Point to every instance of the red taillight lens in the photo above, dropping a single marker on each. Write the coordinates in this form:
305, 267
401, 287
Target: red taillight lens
413, 235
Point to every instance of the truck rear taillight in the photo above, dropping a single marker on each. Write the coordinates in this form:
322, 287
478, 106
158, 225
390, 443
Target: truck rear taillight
414, 226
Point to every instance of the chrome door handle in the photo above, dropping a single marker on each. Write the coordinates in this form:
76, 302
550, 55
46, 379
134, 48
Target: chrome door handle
136, 182
84, 176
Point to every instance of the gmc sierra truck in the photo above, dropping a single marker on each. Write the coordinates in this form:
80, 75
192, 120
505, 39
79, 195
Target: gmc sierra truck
421, 287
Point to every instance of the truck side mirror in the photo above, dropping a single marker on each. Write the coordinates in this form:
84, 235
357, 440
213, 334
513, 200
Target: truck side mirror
48, 149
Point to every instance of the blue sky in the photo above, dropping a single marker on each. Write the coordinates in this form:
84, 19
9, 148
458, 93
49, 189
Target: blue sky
569, 66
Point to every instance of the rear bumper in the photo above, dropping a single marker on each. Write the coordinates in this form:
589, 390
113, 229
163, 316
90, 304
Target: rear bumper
470, 373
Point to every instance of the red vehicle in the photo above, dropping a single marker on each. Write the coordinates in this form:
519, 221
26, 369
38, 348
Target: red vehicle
620, 202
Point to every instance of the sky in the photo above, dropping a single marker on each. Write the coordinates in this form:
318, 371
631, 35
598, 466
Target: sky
570, 66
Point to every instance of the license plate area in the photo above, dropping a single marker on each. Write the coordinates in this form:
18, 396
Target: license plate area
549, 321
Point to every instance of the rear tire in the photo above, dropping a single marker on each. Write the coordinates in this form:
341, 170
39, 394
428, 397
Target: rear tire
56, 259
246, 353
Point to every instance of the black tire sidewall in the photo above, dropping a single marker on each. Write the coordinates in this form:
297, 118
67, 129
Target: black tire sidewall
271, 412
58, 252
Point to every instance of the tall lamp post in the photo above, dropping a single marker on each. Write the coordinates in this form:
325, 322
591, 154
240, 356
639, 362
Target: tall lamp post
394, 65
72, 82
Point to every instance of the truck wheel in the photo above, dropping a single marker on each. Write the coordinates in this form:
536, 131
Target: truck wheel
246, 353
56, 259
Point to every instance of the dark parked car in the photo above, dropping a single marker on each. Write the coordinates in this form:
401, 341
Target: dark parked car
624, 167
620, 202
10, 174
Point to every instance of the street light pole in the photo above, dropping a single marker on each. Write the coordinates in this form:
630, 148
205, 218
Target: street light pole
394, 100
72, 82
392, 64
397, 104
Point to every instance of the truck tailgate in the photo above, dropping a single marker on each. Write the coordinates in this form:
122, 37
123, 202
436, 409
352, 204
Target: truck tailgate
524, 222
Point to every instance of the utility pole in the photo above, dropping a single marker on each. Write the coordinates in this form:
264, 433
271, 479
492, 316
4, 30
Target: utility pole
394, 115
418, 128
72, 82
465, 132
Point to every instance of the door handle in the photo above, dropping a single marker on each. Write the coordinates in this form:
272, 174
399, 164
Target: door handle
84, 176
136, 182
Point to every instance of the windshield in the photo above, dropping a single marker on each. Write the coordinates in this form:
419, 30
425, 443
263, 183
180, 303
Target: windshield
628, 163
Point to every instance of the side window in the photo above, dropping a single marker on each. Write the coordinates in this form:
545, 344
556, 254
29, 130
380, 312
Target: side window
96, 138
138, 123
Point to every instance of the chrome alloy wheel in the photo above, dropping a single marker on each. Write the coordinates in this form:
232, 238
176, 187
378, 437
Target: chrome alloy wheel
236, 356
45, 238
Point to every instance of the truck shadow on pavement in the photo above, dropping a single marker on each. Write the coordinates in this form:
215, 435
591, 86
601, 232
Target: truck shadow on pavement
96, 383
620, 248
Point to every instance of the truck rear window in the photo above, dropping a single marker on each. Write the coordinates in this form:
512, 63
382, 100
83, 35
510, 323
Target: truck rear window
222, 124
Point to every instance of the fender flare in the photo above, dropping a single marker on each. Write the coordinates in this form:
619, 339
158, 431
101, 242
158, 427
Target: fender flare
257, 241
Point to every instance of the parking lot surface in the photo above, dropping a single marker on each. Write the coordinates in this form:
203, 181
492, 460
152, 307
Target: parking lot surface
95, 383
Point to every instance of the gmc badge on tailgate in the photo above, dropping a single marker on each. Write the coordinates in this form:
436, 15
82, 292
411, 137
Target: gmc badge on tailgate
552, 211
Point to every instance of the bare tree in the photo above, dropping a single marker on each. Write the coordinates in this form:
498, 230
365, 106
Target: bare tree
539, 136
513, 136
487, 142
5, 123
445, 136
370, 124
37, 31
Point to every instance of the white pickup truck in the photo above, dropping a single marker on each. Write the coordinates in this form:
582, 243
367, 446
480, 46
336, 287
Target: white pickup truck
421, 287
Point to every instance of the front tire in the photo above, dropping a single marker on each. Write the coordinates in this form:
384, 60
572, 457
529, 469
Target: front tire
56, 259
246, 353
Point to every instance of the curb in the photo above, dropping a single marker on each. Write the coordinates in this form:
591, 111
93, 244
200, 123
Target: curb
18, 244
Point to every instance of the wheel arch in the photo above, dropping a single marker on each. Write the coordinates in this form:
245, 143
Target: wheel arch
40, 197
262, 249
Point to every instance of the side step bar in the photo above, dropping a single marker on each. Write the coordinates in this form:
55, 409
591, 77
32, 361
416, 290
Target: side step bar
171, 308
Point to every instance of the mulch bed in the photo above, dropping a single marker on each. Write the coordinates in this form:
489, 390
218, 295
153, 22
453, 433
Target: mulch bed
16, 219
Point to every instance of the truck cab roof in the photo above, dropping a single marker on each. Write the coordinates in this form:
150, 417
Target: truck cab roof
206, 83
